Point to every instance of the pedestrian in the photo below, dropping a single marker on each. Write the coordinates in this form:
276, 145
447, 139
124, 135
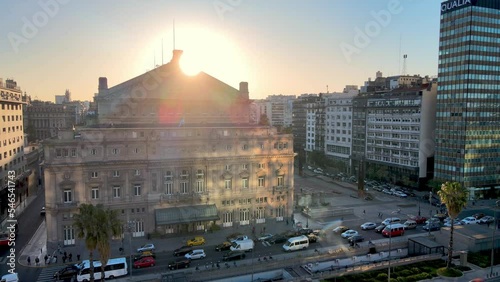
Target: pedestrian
29, 260
78, 257
37, 261
45, 258
287, 222
64, 259
253, 230
65, 254
264, 229
364, 212
70, 257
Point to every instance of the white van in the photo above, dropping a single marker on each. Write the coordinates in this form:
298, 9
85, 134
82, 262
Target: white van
242, 245
296, 243
391, 220
410, 224
12, 277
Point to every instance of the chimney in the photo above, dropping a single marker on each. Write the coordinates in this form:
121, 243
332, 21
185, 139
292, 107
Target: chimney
244, 89
103, 83
176, 57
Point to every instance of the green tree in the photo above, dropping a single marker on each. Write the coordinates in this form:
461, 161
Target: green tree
263, 120
96, 225
454, 196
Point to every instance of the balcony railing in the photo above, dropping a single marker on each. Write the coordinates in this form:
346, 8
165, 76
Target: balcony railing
280, 189
69, 205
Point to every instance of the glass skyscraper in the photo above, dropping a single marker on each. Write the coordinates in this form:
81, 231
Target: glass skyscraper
468, 105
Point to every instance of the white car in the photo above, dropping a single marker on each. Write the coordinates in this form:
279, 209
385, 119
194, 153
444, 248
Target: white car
349, 233
455, 223
265, 237
240, 238
368, 225
487, 219
196, 254
469, 220
147, 247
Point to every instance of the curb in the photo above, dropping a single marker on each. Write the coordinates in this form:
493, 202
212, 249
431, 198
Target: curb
21, 253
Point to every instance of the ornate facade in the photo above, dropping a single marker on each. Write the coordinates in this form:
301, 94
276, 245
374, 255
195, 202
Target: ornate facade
173, 154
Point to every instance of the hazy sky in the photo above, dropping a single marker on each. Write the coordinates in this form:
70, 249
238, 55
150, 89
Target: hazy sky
279, 47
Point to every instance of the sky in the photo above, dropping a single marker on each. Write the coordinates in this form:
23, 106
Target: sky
287, 47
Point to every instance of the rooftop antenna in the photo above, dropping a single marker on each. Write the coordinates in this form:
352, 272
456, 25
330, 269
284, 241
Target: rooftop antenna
404, 64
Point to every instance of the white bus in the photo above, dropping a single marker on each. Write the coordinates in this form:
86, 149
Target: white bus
115, 267
296, 243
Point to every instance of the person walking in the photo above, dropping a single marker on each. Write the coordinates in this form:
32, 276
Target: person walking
37, 261
29, 260
70, 257
45, 258
78, 257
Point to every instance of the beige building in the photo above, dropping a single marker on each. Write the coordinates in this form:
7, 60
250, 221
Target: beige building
172, 153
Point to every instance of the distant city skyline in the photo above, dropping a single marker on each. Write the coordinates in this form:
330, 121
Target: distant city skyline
299, 47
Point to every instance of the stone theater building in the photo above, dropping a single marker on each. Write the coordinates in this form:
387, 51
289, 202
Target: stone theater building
173, 154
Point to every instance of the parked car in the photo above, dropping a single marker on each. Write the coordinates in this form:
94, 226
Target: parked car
356, 238
147, 247
431, 226
195, 254
264, 237
312, 238
233, 255
478, 215
182, 251
487, 219
223, 247
469, 220
379, 228
239, 238
349, 233
196, 241
418, 219
144, 254
368, 226
340, 229
42, 211
278, 239
179, 263
304, 231
455, 223
66, 273
440, 216
145, 262
433, 220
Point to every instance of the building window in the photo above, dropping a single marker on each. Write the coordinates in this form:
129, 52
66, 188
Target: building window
227, 217
137, 172
116, 173
67, 196
168, 188
65, 153
58, 151
184, 188
69, 235
137, 190
93, 152
262, 165
136, 151
199, 186
245, 166
244, 215
262, 181
228, 147
73, 153
280, 181
199, 174
244, 182
95, 193
94, 174
168, 176
154, 181
228, 167
244, 147
227, 183
116, 192
115, 151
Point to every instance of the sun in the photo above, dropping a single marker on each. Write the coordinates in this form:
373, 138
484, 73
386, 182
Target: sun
190, 64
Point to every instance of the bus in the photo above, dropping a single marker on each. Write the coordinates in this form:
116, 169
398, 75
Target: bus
115, 267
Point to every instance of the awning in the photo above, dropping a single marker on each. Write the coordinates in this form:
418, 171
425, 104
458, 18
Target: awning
186, 214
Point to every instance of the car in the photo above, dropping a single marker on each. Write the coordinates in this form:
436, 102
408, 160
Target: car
379, 228
223, 247
233, 255
278, 239
487, 219
66, 273
349, 233
265, 237
433, 220
418, 219
42, 211
196, 241
239, 238
304, 231
356, 239
144, 254
182, 251
455, 223
340, 229
469, 220
440, 216
179, 263
478, 215
312, 238
368, 226
145, 262
431, 226
147, 247
196, 254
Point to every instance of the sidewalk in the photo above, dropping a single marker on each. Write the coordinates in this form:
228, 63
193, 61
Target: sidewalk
21, 207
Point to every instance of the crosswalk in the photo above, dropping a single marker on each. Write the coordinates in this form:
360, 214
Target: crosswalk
266, 243
47, 274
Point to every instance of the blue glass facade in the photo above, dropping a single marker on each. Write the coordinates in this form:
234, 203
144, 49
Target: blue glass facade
468, 106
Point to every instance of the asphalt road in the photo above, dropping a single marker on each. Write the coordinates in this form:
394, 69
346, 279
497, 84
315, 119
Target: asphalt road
28, 222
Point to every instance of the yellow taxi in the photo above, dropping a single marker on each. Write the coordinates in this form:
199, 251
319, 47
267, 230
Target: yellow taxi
196, 241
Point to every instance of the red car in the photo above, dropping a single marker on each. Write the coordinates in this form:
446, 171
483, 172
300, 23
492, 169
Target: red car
145, 262
418, 219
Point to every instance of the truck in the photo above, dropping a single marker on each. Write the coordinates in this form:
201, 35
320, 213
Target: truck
243, 245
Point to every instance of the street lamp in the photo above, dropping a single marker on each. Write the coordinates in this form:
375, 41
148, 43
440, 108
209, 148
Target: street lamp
130, 224
493, 240
389, 270
430, 212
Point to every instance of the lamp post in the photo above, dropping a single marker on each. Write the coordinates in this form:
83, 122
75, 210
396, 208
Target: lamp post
430, 212
493, 240
130, 224
390, 247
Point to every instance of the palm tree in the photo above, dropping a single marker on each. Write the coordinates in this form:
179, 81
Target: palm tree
454, 196
97, 225
87, 227
110, 226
